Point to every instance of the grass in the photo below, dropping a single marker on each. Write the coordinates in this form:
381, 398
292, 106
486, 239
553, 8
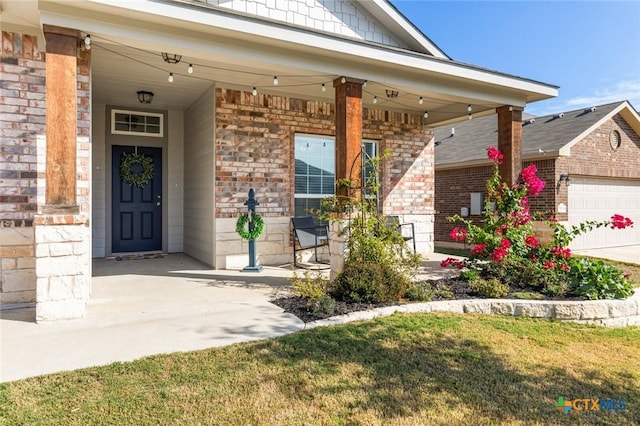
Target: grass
438, 369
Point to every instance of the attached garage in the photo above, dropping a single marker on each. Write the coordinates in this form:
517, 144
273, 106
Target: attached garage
598, 199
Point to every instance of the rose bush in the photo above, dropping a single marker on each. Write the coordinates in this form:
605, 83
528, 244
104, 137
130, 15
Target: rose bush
505, 250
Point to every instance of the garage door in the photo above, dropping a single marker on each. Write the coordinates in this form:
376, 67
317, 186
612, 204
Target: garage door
599, 199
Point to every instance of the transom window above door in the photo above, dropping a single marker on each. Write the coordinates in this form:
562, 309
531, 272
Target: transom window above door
136, 123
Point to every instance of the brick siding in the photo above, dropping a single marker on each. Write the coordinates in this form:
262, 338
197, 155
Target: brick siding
22, 120
255, 148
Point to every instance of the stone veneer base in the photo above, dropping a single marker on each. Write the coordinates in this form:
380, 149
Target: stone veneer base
609, 313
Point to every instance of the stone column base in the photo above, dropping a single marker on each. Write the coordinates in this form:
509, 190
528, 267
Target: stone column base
63, 266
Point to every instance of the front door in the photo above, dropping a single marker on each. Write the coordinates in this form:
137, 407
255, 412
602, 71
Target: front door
136, 201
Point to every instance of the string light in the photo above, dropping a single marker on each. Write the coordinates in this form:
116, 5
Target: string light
254, 91
324, 88
426, 114
88, 42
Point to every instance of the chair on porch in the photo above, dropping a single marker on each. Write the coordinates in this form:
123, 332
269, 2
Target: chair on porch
308, 235
407, 230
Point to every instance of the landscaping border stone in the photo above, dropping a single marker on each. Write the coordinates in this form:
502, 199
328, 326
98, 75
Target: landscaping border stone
608, 313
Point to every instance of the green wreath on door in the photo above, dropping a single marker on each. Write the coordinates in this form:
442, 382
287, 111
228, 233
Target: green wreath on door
132, 159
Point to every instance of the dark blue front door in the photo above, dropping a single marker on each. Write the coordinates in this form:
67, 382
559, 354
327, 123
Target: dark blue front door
136, 210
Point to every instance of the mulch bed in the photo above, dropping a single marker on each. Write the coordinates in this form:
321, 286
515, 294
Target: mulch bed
298, 306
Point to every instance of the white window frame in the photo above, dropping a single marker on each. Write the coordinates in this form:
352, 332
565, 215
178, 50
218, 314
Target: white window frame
139, 113
373, 142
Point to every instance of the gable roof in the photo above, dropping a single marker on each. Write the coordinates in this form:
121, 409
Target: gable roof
546, 136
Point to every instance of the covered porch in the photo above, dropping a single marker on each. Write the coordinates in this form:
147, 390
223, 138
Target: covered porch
231, 93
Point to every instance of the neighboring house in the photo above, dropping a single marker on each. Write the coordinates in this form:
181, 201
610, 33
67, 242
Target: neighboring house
589, 158
219, 96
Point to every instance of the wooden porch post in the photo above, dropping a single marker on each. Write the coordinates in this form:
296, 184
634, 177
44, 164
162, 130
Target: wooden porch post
61, 120
348, 93
510, 141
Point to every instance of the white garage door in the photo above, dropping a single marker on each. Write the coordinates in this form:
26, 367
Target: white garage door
599, 199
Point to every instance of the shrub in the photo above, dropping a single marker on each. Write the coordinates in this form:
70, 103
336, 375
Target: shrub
312, 287
378, 264
489, 288
504, 246
322, 305
469, 275
368, 282
420, 291
596, 279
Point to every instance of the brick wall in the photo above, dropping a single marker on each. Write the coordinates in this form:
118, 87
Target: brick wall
593, 156
254, 148
453, 188
22, 119
22, 125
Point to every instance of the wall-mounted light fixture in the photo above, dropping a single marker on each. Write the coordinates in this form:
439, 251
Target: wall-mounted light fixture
565, 178
171, 58
144, 97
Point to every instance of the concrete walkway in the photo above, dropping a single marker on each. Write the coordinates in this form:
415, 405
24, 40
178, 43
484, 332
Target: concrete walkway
153, 306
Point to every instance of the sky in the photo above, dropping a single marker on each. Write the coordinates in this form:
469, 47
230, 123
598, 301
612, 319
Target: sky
590, 49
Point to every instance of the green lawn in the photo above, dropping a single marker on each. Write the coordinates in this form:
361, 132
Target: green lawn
414, 369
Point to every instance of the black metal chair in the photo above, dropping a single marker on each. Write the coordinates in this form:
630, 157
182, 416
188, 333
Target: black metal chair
308, 235
404, 229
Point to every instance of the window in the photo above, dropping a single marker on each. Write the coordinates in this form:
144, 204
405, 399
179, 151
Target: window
315, 171
136, 123
315, 168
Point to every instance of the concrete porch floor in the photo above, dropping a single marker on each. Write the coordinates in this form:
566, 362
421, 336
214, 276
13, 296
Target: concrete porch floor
146, 307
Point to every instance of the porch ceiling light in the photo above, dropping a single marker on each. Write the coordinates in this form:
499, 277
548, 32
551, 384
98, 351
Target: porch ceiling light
144, 97
171, 58
391, 93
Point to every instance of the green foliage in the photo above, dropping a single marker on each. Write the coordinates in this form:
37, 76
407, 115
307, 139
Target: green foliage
311, 286
469, 275
493, 287
322, 305
367, 282
420, 291
529, 295
596, 279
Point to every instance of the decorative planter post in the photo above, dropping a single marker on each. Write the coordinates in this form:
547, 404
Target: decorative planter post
251, 204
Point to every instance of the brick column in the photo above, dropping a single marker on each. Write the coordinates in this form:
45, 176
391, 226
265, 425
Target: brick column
62, 230
510, 141
348, 131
